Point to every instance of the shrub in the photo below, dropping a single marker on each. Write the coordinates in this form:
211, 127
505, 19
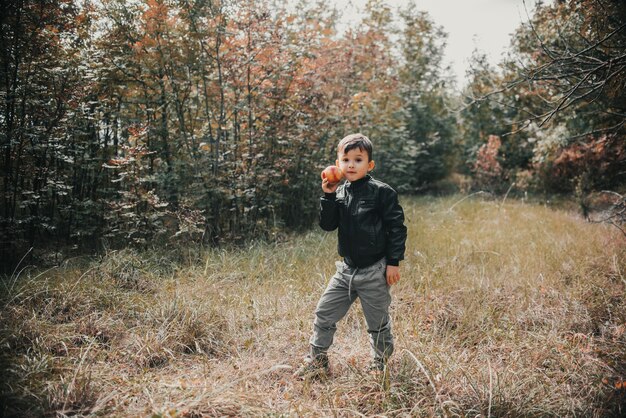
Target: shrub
488, 173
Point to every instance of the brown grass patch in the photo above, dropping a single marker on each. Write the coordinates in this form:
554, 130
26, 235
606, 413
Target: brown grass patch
504, 309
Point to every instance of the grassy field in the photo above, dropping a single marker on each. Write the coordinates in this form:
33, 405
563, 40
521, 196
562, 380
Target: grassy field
504, 309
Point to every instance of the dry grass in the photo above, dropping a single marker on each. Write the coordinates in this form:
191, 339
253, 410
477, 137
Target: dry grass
504, 309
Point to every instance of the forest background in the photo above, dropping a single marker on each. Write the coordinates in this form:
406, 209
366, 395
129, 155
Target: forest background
161, 122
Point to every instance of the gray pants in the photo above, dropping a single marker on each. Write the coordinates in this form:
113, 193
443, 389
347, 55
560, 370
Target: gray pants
370, 285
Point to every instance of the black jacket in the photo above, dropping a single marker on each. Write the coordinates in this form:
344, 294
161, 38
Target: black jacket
370, 222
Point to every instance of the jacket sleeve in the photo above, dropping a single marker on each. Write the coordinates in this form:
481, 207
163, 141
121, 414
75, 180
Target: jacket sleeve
329, 212
393, 222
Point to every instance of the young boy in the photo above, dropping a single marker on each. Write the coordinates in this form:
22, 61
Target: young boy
372, 240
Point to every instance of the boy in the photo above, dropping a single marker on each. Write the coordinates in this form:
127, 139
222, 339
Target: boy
372, 240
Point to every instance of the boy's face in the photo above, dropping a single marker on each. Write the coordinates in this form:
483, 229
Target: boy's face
355, 164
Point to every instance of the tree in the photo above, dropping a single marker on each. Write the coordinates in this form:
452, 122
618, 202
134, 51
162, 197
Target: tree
483, 113
430, 125
571, 71
40, 82
163, 120
576, 49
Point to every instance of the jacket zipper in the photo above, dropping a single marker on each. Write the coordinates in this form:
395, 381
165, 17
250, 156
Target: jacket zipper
353, 216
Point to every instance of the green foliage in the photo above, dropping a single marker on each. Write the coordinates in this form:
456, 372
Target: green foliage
560, 93
480, 115
429, 124
163, 121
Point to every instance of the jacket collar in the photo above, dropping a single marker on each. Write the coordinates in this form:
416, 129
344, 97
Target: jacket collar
360, 182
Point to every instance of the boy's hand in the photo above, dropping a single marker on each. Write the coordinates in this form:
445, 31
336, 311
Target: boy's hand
393, 275
329, 187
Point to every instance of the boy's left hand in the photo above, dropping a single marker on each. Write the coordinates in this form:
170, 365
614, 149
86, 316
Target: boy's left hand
393, 275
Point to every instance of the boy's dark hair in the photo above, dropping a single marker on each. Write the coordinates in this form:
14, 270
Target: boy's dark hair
353, 141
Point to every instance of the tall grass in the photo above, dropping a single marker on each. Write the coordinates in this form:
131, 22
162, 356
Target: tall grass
504, 309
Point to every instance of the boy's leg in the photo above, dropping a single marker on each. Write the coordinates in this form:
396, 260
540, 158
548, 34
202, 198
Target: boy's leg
332, 306
375, 299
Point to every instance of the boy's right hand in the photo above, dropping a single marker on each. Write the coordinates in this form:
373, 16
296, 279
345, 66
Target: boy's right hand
329, 187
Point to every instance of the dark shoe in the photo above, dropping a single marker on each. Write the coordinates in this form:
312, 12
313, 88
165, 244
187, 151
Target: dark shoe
313, 368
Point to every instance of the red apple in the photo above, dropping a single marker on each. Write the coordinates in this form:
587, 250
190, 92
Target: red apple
333, 174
